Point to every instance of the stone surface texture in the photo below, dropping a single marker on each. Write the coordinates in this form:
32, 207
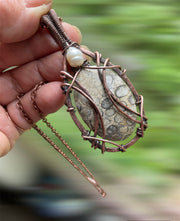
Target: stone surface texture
117, 127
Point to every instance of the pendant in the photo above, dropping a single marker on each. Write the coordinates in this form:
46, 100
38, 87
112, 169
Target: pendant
109, 106
105, 98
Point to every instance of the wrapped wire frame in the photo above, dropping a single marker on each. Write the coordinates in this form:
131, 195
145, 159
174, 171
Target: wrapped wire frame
51, 22
96, 141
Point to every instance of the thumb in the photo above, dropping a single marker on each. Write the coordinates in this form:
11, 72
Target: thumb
19, 19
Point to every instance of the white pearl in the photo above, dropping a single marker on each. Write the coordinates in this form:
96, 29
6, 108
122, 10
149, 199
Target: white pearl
74, 57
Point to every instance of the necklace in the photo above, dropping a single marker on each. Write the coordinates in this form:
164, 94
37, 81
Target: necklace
106, 100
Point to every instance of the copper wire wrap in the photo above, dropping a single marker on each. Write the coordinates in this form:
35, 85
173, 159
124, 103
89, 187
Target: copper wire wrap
96, 141
53, 24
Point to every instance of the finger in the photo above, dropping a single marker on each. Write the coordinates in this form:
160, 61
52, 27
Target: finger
49, 99
8, 132
12, 123
4, 144
20, 19
41, 44
23, 79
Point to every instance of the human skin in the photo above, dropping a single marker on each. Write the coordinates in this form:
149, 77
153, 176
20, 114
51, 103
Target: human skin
37, 58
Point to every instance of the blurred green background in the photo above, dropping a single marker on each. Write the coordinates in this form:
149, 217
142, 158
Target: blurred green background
142, 36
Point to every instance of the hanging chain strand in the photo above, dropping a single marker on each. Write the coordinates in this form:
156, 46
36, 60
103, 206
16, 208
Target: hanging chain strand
86, 173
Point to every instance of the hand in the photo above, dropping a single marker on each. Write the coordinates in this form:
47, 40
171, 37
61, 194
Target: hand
37, 59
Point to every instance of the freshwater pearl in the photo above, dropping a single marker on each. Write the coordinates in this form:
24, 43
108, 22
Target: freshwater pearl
117, 126
74, 57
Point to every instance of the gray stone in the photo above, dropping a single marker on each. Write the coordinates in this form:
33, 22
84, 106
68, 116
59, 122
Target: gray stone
117, 127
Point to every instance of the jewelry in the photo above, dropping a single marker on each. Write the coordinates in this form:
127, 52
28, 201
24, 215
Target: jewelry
105, 98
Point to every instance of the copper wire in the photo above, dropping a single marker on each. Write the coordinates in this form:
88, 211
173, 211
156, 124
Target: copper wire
53, 24
117, 103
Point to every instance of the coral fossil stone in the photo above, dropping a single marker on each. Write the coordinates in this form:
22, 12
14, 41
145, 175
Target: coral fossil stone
117, 127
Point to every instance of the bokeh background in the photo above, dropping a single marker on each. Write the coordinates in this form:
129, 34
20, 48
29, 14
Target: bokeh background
142, 36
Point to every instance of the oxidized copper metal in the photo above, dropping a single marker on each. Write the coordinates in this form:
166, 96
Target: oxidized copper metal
53, 24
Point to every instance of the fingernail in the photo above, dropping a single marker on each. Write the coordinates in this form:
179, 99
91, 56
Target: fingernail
79, 33
37, 3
